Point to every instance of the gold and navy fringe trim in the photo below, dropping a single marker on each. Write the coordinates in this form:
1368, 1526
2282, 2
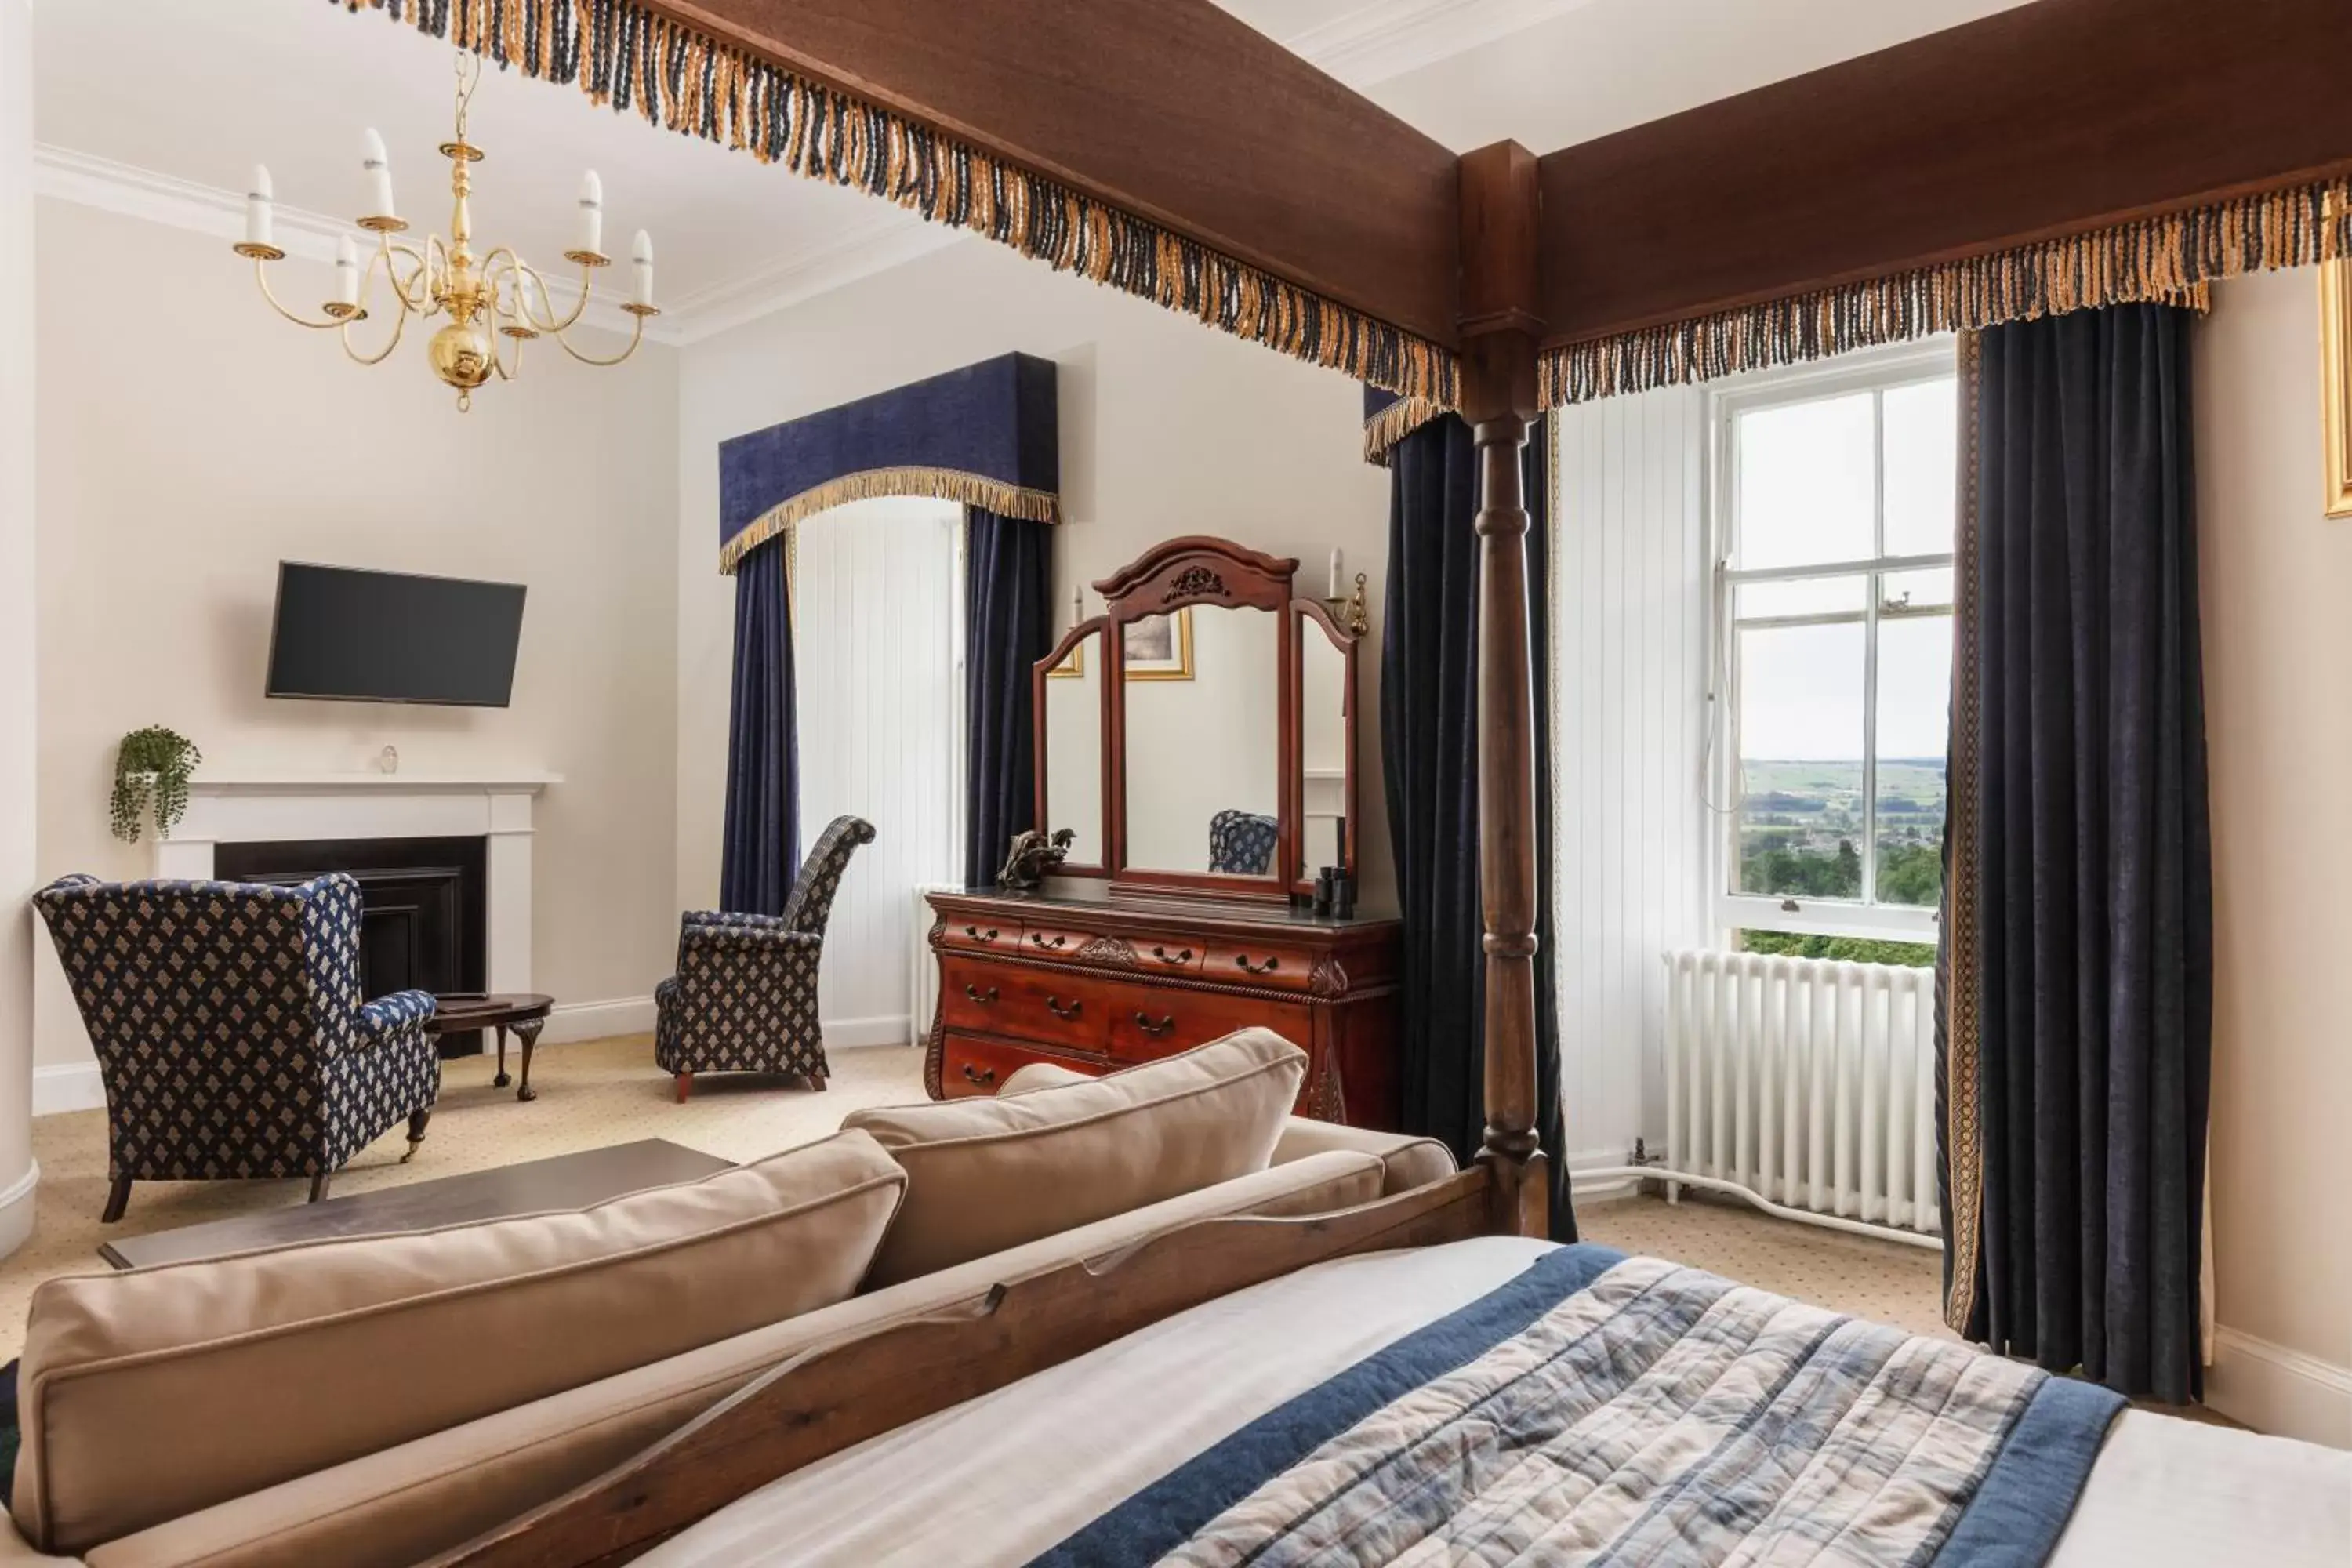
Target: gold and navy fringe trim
2169, 259
624, 54
1393, 423
947, 484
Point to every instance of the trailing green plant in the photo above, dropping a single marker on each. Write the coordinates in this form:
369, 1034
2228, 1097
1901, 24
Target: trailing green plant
152, 768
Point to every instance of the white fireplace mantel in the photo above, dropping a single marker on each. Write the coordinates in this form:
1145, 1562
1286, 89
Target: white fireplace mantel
251, 809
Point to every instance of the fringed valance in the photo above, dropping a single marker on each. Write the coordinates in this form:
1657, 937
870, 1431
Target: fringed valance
1390, 418
629, 56
2158, 260
985, 435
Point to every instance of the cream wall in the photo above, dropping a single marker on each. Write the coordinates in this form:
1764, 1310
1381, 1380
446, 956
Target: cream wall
1166, 429
181, 453
2276, 584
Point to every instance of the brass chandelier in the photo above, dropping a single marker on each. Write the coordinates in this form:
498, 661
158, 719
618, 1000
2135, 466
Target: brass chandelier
499, 295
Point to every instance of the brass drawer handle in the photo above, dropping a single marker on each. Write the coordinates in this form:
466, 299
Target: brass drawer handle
1241, 961
1164, 956
1054, 1006
985, 998
982, 1076
1154, 1030
976, 934
1038, 940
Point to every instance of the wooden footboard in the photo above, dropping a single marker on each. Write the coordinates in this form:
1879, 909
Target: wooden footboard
835, 1396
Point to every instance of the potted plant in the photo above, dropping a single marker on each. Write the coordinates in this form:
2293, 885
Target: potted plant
152, 768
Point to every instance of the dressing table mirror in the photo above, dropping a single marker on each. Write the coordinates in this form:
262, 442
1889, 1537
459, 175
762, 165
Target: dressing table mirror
1198, 739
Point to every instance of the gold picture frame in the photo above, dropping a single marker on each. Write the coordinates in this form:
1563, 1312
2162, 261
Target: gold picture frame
2335, 381
1159, 648
1073, 668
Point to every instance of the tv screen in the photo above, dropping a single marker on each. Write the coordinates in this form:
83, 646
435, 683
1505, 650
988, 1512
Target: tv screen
387, 636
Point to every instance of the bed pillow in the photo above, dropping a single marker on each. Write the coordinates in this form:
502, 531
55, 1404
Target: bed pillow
987, 1173
146, 1394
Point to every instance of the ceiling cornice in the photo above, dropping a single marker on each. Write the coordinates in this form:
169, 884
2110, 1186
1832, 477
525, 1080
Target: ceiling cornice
778, 285
1388, 38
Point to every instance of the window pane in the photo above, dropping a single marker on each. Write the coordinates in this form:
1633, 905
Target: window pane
1902, 591
1806, 484
1801, 596
1915, 687
1801, 814
1921, 467
1851, 948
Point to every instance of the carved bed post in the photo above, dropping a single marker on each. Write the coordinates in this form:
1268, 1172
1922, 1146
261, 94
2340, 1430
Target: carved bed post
1500, 205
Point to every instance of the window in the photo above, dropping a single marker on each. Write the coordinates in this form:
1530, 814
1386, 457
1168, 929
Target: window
1834, 501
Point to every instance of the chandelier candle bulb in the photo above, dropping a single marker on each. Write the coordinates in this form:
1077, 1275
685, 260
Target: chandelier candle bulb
347, 272
641, 256
1337, 591
378, 165
592, 215
257, 210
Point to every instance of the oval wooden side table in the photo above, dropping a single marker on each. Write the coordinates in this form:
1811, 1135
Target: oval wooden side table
525, 1013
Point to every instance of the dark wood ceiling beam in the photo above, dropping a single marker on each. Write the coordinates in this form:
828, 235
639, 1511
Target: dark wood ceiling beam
1171, 110
2053, 119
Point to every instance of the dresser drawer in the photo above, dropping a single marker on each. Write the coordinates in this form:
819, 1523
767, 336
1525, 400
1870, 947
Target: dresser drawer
1177, 955
1147, 1023
969, 1065
972, 934
1053, 1007
1247, 962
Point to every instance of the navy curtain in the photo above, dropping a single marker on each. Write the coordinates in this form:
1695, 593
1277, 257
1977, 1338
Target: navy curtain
762, 852
2085, 978
1008, 627
1429, 721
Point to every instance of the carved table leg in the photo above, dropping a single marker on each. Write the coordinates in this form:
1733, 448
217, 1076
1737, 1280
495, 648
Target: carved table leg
528, 1032
502, 1079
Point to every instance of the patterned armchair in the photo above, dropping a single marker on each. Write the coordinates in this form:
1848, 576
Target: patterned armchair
229, 1030
744, 997
1241, 843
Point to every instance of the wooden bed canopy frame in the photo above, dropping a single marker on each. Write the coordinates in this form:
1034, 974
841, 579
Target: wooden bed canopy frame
2059, 118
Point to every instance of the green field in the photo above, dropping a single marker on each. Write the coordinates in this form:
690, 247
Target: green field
1802, 825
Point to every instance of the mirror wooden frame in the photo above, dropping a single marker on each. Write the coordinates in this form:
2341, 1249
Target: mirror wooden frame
1180, 574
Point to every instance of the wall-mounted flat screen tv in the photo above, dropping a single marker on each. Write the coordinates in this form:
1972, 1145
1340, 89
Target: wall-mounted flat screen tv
387, 636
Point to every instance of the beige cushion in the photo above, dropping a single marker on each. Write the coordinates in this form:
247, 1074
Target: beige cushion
987, 1173
148, 1394
405, 1504
1409, 1162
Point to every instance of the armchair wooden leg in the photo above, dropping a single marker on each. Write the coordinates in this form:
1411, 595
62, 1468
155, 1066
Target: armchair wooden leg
817, 1081
319, 1184
118, 1198
685, 1086
416, 1132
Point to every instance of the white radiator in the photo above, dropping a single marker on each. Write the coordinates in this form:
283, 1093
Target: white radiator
923, 964
1805, 1083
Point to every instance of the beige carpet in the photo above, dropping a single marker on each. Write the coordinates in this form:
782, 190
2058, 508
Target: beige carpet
609, 1091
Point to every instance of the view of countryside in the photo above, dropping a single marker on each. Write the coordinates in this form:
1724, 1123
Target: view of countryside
1802, 829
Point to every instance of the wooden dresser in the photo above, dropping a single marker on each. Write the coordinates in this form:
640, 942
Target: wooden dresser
1093, 980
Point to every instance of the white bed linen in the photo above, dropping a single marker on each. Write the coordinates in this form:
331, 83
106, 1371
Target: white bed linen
1000, 1479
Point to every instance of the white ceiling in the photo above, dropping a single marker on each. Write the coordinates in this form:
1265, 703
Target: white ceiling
161, 106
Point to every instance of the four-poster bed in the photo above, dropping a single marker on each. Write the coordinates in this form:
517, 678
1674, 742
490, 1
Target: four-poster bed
1160, 147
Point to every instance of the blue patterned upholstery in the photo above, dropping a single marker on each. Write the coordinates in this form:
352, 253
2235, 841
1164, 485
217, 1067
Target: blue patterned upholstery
1241, 843
744, 997
228, 1025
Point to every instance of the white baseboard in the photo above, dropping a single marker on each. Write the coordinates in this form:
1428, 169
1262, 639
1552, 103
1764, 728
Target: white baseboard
1587, 1185
68, 1086
597, 1020
853, 1034
2284, 1391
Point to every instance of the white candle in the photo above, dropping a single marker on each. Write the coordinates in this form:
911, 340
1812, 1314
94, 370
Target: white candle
378, 166
641, 256
591, 214
258, 208
1335, 576
347, 271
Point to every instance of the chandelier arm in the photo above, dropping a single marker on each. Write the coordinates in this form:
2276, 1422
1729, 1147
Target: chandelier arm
399, 326
421, 280
637, 336
551, 326
262, 276
498, 361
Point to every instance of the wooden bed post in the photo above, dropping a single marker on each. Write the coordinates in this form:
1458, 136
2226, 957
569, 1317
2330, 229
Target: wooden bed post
1501, 206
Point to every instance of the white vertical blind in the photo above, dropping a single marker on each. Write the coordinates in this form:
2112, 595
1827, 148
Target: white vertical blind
1629, 598
877, 646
